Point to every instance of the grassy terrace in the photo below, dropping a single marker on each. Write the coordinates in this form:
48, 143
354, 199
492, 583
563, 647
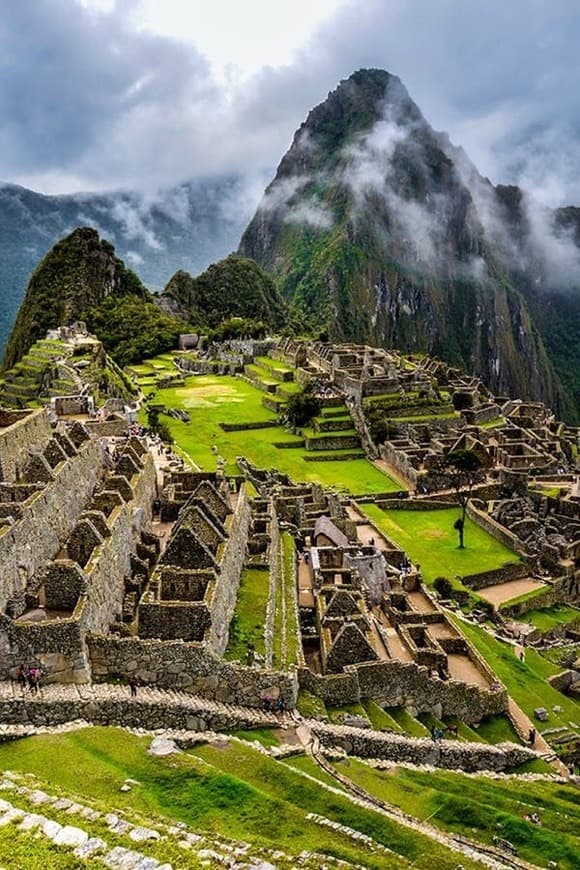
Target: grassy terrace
247, 626
232, 790
547, 618
285, 622
478, 808
211, 400
525, 681
430, 539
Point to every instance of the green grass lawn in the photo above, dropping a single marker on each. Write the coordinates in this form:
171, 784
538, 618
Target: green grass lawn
231, 790
247, 626
549, 617
430, 539
525, 681
478, 808
211, 400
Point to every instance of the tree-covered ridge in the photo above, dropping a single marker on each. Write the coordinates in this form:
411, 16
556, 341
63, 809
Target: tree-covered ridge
78, 273
233, 287
132, 328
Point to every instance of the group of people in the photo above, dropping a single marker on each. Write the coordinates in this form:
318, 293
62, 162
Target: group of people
29, 677
270, 704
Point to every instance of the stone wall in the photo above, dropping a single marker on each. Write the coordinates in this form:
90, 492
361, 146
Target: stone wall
107, 429
174, 619
140, 713
23, 431
450, 754
405, 684
56, 646
400, 462
95, 593
223, 601
563, 590
190, 667
494, 528
47, 520
484, 579
110, 562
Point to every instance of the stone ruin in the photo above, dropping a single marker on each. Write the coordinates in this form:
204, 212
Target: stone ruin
70, 524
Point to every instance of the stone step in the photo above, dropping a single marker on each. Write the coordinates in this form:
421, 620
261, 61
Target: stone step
122, 707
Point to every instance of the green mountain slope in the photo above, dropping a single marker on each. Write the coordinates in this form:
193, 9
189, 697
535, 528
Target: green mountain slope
377, 228
81, 279
233, 287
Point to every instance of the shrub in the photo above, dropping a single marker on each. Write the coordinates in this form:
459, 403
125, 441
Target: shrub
443, 587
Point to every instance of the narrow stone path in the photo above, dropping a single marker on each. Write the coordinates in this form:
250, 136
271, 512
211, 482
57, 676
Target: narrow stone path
522, 723
488, 856
59, 701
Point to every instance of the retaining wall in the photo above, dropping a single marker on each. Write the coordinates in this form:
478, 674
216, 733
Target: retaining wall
48, 518
24, 429
405, 684
190, 667
445, 753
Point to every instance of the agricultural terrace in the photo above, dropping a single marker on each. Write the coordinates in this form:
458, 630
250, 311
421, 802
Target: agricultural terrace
225, 788
430, 540
211, 400
478, 807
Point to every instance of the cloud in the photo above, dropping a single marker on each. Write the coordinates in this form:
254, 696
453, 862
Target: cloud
88, 101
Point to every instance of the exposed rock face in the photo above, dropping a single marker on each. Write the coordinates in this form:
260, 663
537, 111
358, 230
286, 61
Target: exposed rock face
79, 272
382, 231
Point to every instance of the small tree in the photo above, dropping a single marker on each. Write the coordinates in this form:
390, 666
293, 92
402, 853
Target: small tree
465, 469
443, 587
302, 407
157, 425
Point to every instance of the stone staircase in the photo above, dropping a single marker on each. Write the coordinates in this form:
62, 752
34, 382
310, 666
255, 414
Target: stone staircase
108, 704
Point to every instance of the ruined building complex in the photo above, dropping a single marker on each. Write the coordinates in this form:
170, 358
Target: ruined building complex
118, 565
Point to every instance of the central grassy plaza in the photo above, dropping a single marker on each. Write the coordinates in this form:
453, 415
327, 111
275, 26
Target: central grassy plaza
211, 400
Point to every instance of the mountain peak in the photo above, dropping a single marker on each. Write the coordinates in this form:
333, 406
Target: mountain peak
80, 271
382, 231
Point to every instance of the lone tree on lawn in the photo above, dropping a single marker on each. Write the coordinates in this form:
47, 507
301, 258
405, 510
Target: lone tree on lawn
465, 469
302, 407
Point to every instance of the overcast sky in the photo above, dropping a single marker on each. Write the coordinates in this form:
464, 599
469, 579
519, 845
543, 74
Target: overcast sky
143, 94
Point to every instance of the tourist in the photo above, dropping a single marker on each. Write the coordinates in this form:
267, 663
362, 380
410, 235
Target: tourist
133, 688
521, 655
22, 675
280, 705
532, 736
266, 703
33, 680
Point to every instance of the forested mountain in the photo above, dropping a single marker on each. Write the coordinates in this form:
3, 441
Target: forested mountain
187, 228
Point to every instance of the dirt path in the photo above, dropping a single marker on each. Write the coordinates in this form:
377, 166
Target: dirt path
523, 724
305, 595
